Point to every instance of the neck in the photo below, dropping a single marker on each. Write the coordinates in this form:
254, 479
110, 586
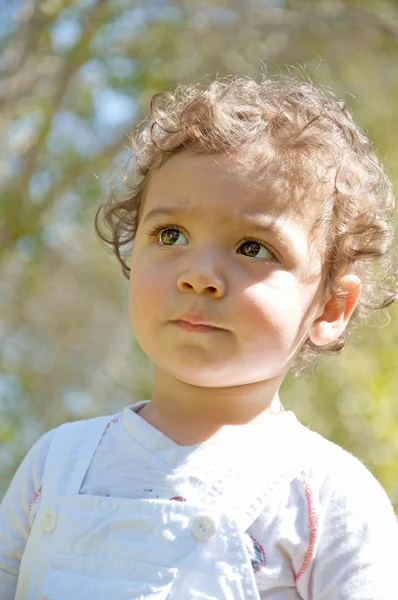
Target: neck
190, 414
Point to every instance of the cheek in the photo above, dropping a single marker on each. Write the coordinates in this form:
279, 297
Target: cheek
275, 309
146, 286
147, 292
143, 289
263, 301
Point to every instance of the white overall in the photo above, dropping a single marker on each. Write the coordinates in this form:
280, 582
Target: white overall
92, 547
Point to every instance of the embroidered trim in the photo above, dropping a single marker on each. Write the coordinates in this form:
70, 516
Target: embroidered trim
309, 555
111, 423
35, 496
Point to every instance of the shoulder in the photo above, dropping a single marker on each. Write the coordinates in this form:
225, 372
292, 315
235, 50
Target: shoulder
20, 501
27, 482
354, 528
343, 520
343, 490
70, 439
331, 465
72, 431
84, 424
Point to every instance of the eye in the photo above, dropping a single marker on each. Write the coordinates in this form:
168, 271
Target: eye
254, 249
167, 235
171, 235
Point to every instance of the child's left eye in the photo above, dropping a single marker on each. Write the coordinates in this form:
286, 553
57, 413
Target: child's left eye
169, 235
253, 247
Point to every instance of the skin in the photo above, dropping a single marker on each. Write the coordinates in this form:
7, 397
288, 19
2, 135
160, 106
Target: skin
268, 298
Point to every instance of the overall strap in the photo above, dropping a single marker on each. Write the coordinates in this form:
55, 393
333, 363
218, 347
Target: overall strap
69, 456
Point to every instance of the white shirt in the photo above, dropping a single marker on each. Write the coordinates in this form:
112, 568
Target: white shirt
329, 533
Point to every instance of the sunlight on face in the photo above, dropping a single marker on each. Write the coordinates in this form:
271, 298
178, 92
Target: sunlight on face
212, 245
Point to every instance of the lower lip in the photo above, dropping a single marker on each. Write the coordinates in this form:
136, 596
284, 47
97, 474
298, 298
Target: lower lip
196, 328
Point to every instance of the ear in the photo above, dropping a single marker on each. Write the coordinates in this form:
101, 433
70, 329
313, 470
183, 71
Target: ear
337, 312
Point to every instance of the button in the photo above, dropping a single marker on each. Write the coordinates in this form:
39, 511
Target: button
203, 527
49, 520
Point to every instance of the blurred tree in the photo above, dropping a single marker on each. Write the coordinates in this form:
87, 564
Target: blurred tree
74, 75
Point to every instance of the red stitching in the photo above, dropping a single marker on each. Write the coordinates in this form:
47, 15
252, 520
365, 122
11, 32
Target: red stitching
35, 496
111, 422
309, 555
179, 498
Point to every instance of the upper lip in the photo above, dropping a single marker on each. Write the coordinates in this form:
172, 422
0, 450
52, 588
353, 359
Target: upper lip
197, 319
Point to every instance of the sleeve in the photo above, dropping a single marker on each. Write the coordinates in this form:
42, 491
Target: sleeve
357, 554
16, 514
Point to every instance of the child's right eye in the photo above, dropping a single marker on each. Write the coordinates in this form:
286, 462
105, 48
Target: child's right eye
167, 234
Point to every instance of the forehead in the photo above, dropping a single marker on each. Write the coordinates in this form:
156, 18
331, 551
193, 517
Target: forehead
223, 187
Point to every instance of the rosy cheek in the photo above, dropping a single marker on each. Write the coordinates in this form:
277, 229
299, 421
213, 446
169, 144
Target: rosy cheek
150, 287
267, 305
256, 303
147, 296
145, 280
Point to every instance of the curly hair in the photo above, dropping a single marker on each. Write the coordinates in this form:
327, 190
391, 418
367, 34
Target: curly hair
305, 139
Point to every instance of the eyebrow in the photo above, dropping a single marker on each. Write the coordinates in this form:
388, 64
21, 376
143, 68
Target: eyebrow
264, 222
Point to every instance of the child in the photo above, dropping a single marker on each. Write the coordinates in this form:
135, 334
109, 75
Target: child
261, 222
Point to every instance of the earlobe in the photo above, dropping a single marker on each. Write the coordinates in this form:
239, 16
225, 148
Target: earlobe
337, 312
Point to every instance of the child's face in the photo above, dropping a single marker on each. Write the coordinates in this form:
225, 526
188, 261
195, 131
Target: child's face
207, 263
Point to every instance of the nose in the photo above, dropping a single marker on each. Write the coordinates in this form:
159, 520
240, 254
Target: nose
201, 279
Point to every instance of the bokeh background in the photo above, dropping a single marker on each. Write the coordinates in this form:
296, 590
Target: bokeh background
74, 77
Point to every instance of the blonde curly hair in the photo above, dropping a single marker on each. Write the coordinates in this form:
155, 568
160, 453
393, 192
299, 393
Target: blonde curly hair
303, 137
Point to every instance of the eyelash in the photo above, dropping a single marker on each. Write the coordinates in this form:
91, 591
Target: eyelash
155, 231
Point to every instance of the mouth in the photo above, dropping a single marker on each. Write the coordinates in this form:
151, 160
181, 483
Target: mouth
196, 327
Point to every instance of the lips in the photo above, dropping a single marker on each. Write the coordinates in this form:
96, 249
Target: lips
197, 320
197, 323
199, 328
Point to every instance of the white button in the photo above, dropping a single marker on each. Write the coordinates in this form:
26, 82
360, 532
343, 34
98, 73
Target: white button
49, 520
203, 527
